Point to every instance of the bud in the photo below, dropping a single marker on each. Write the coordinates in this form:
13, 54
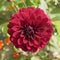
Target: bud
1, 44
15, 54
7, 41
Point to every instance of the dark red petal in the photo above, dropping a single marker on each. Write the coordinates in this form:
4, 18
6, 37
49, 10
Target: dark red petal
10, 31
15, 28
10, 25
28, 47
15, 34
34, 49
24, 48
30, 43
25, 41
35, 42
19, 42
15, 43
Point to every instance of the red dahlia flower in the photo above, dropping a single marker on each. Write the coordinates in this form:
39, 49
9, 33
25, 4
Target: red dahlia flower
30, 29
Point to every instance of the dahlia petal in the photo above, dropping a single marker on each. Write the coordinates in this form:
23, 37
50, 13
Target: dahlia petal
41, 45
22, 36
10, 31
39, 18
32, 17
16, 43
23, 10
12, 39
19, 42
25, 15
37, 13
15, 28
36, 42
25, 41
44, 42
24, 48
10, 25
45, 20
28, 47
13, 21
38, 37
34, 49
30, 43
31, 8
15, 34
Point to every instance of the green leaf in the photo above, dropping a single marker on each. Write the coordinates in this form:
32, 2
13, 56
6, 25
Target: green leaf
11, 58
3, 28
2, 36
35, 2
28, 3
4, 16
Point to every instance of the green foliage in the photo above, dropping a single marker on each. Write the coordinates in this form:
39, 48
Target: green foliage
4, 16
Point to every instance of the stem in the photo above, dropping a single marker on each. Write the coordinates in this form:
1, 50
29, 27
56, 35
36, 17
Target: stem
24, 3
14, 6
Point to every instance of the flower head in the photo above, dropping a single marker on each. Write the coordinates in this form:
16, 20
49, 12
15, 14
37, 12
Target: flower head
30, 29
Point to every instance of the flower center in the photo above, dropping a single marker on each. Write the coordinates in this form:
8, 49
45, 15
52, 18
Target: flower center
28, 31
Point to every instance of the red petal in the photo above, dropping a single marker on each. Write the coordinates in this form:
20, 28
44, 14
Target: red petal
30, 43
15, 34
15, 28
25, 41
28, 47
19, 42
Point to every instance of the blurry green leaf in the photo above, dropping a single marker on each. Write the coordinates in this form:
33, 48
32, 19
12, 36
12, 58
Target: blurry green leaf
11, 58
57, 18
9, 7
56, 22
35, 2
3, 28
3, 4
2, 36
20, 4
28, 3
4, 16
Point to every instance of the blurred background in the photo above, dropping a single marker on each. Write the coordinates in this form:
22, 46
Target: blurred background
7, 50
